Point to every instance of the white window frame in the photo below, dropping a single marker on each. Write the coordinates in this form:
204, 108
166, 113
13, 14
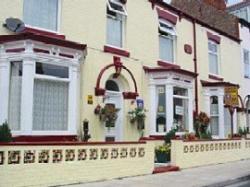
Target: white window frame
216, 54
217, 115
169, 34
58, 25
246, 64
124, 12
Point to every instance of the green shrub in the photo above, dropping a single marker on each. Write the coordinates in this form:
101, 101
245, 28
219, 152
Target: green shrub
5, 134
206, 135
170, 135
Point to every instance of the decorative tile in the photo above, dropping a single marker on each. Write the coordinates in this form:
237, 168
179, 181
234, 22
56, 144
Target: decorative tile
141, 152
232, 145
216, 147
93, 155
43, 156
1, 157
202, 147
207, 147
104, 154
70, 155
82, 154
239, 145
211, 147
185, 149
220, 146
197, 148
191, 148
57, 156
224, 146
114, 153
228, 146
14, 157
29, 157
132, 152
124, 153
235, 145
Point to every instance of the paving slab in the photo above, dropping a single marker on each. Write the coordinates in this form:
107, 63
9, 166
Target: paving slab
192, 177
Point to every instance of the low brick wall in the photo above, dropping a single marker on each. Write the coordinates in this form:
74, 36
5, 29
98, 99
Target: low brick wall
57, 164
186, 154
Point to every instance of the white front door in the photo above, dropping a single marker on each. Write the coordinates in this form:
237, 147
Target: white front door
115, 133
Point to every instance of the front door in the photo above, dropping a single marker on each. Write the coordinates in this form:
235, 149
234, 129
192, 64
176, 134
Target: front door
114, 133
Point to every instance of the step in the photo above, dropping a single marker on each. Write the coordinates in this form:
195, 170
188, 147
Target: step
164, 169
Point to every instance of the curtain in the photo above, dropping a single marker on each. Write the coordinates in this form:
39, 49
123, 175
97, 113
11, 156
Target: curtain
50, 105
41, 13
15, 96
114, 31
166, 49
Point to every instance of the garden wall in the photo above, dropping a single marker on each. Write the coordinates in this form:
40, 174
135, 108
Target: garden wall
50, 164
186, 154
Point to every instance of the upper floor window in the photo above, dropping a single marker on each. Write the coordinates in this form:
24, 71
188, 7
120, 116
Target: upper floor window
213, 53
167, 1
167, 40
246, 59
116, 15
41, 13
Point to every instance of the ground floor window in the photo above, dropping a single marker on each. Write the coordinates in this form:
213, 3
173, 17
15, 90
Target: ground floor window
214, 115
161, 109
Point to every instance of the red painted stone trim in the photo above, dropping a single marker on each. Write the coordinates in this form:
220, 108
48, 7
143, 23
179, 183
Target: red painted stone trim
213, 140
117, 51
43, 32
17, 50
42, 38
167, 16
99, 91
217, 84
213, 37
188, 49
214, 77
54, 138
167, 64
129, 95
157, 137
68, 143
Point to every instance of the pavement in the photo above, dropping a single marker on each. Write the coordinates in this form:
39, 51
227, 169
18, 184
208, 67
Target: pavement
219, 175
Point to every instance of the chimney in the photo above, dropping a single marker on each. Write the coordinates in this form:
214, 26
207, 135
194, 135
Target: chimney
218, 4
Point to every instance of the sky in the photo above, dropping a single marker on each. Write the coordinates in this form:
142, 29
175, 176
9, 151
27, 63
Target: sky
231, 2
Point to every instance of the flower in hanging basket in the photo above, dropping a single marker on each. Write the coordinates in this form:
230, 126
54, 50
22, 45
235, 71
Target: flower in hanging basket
137, 115
108, 114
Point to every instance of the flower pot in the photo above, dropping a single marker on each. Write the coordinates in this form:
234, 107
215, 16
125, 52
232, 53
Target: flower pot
162, 157
140, 124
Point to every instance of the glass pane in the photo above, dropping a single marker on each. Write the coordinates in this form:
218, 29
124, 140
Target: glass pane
214, 107
52, 70
181, 114
166, 49
15, 96
180, 91
116, 6
161, 109
212, 47
41, 13
50, 105
213, 64
112, 86
214, 125
114, 32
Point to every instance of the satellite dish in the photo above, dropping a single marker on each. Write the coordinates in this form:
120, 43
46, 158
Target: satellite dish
14, 25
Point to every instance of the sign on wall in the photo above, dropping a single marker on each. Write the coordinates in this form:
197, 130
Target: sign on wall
231, 96
90, 99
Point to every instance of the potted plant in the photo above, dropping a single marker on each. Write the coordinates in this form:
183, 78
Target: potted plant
138, 115
5, 133
162, 153
108, 114
201, 123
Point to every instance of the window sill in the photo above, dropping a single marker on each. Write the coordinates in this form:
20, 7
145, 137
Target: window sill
117, 51
215, 77
167, 64
44, 32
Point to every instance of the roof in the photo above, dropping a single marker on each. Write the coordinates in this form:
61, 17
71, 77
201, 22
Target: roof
217, 84
219, 20
42, 38
170, 69
244, 23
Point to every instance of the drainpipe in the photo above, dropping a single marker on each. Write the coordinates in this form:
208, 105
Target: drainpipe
195, 69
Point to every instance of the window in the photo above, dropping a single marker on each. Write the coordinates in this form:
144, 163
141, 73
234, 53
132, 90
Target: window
213, 57
112, 86
50, 98
214, 115
167, 37
15, 96
167, 1
41, 13
246, 59
116, 15
161, 109
180, 108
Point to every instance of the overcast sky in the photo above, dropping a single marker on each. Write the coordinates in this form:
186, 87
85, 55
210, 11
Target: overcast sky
231, 2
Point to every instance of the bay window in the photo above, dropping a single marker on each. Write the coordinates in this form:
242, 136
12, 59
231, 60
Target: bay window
167, 41
213, 53
116, 15
41, 13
